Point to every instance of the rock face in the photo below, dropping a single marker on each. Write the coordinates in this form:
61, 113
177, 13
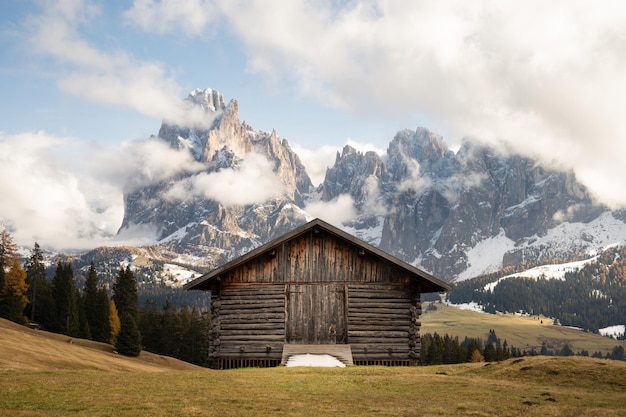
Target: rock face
434, 206
206, 228
447, 212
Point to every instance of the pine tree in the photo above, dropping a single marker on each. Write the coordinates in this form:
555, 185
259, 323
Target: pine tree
172, 327
96, 308
195, 342
125, 293
151, 327
37, 283
129, 339
64, 294
84, 332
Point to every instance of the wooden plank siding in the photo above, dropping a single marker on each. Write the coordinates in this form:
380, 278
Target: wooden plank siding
315, 289
315, 285
383, 323
316, 257
248, 323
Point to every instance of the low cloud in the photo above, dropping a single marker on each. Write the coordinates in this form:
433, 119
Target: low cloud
141, 163
316, 161
68, 194
336, 212
253, 181
49, 199
373, 202
414, 181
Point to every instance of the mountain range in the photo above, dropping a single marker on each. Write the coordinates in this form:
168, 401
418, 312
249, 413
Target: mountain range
456, 214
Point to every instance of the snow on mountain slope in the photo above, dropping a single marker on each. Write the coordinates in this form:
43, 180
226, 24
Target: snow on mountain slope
545, 271
589, 238
486, 256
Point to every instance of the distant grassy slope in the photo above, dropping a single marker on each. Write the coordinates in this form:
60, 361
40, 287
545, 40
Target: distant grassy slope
522, 332
33, 350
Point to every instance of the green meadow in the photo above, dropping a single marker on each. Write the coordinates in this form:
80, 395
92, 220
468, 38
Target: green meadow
42, 374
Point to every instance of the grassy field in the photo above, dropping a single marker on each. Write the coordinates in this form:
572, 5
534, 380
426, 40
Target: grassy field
522, 332
44, 375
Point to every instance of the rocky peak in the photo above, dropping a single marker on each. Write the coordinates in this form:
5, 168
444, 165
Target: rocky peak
420, 150
350, 173
194, 222
210, 100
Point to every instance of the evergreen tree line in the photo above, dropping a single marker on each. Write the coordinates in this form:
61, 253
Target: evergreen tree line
181, 333
442, 350
57, 305
591, 298
27, 296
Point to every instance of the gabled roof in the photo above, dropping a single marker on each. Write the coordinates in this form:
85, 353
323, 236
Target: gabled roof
433, 284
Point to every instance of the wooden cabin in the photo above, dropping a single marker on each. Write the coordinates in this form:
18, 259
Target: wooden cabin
316, 289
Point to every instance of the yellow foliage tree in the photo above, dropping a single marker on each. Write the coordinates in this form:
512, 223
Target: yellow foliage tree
114, 323
13, 285
477, 356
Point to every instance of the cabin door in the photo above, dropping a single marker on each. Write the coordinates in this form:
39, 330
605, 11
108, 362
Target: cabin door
316, 314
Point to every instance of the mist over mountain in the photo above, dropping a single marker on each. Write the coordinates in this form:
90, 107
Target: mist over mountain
455, 214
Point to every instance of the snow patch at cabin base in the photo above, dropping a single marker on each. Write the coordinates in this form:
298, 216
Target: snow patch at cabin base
309, 359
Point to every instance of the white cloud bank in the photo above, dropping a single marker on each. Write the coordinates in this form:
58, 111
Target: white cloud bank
336, 212
66, 194
545, 77
253, 181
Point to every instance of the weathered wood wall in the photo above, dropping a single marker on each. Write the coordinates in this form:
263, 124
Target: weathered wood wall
383, 322
315, 258
316, 289
248, 323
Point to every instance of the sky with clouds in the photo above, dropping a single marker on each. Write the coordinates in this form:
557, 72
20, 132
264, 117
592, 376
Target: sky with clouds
86, 82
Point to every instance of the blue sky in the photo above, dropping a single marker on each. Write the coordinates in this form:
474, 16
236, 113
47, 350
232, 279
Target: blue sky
84, 80
212, 58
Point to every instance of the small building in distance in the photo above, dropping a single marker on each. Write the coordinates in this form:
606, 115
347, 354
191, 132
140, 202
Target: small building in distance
319, 290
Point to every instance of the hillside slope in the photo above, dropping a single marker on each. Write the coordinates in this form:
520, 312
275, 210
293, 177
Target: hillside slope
523, 332
35, 350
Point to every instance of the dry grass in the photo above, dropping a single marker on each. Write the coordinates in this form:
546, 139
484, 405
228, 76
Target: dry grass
43, 375
522, 332
33, 350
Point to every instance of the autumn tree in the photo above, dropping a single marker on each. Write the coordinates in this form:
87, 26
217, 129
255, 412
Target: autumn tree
13, 286
8, 250
13, 298
114, 323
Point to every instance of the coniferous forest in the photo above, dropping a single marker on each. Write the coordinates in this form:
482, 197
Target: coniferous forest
591, 298
97, 310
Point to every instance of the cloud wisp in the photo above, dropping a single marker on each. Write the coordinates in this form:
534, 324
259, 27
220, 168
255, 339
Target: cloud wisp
111, 78
68, 194
253, 181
